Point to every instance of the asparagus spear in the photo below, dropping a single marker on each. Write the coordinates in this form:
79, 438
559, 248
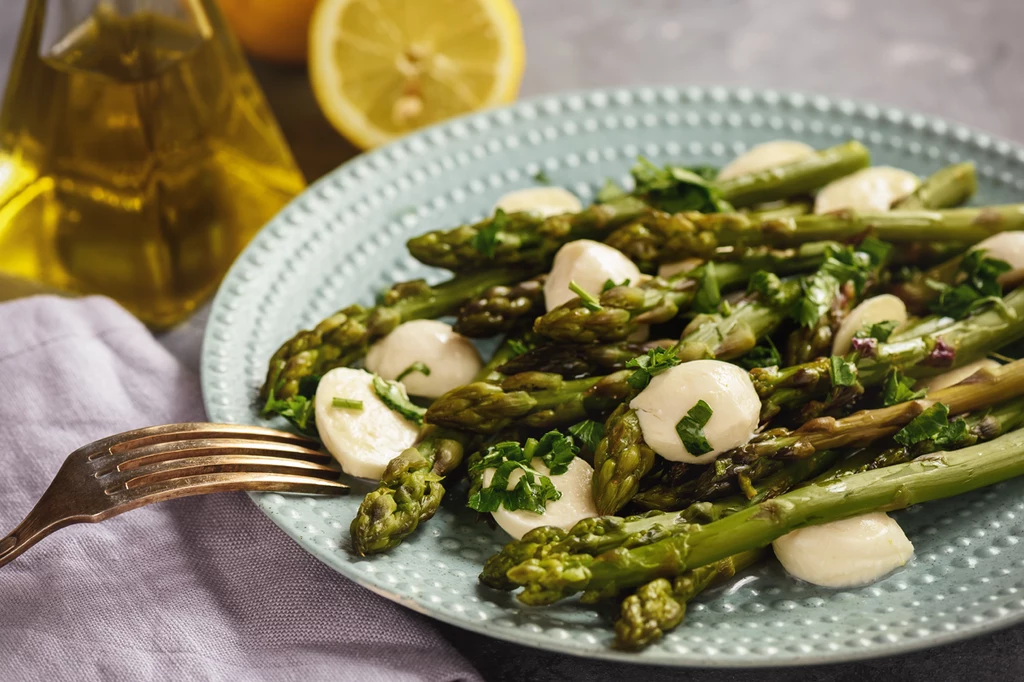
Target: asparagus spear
521, 238
411, 489
624, 308
499, 309
934, 477
947, 187
660, 605
574, 361
661, 237
754, 459
344, 337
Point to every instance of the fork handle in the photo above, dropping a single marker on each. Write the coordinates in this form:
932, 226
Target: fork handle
39, 523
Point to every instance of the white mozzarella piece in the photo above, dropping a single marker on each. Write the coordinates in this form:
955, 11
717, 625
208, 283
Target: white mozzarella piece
363, 441
955, 376
854, 551
575, 504
870, 311
764, 156
669, 270
453, 360
590, 264
1007, 246
872, 190
726, 389
543, 201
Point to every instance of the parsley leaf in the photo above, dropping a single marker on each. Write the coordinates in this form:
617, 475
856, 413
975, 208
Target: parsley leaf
818, 291
980, 286
298, 410
609, 192
533, 490
879, 330
518, 347
611, 284
393, 395
897, 388
487, 237
587, 299
933, 424
762, 355
414, 367
708, 294
842, 372
542, 178
589, 432
674, 188
346, 403
691, 429
656, 361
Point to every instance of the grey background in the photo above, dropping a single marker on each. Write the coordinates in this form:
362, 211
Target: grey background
960, 59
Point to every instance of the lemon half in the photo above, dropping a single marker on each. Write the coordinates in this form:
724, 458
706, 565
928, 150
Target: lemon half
383, 68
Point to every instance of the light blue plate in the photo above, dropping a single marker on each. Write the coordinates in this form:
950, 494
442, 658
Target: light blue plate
343, 241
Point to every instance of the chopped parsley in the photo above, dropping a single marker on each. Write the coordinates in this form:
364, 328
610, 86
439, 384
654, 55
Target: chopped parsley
879, 330
647, 366
346, 403
708, 295
587, 299
542, 178
979, 286
416, 367
533, 490
589, 433
393, 395
691, 429
897, 388
817, 293
517, 346
933, 424
674, 188
841, 371
298, 410
611, 284
762, 355
487, 237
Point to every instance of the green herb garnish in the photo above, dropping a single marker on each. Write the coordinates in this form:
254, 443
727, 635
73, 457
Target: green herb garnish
542, 178
841, 371
611, 284
879, 330
610, 191
897, 388
933, 424
708, 295
486, 239
691, 429
589, 433
533, 490
393, 395
979, 286
762, 355
414, 367
674, 188
587, 299
346, 403
647, 366
298, 409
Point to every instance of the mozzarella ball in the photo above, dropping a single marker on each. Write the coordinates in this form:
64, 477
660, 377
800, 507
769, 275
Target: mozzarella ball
726, 389
575, 504
453, 360
870, 311
542, 201
764, 156
362, 440
872, 190
590, 264
669, 270
955, 376
854, 551
1009, 247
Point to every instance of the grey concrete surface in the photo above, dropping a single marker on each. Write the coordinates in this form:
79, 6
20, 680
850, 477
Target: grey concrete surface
960, 59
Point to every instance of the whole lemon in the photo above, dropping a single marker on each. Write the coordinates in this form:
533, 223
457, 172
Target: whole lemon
274, 30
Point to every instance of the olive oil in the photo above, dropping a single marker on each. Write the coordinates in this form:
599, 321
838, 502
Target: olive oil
137, 155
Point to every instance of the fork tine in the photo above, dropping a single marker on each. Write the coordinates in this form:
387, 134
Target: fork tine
165, 433
140, 477
223, 482
162, 452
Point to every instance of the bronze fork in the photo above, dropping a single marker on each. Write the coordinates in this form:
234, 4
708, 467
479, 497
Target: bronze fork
122, 472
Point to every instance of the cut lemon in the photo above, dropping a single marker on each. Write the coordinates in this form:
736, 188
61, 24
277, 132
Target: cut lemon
382, 68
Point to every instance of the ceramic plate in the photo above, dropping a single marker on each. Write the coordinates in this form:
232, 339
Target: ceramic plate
343, 240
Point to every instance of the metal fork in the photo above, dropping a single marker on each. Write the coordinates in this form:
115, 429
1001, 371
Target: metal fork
135, 468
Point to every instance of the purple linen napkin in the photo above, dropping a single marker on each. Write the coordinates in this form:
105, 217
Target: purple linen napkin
205, 588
